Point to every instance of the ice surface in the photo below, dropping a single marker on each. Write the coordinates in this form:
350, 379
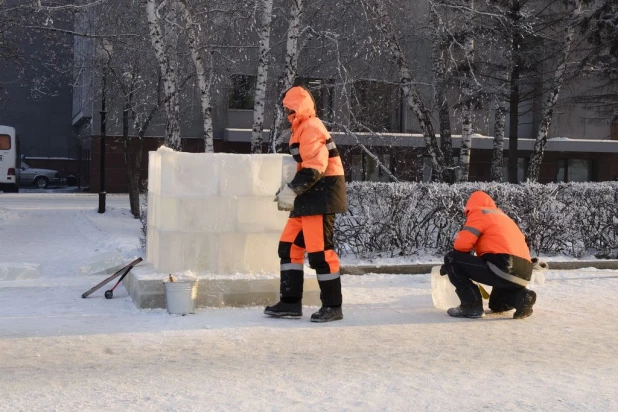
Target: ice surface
249, 253
179, 251
442, 290
196, 174
288, 169
17, 271
173, 173
249, 175
538, 277
215, 212
154, 173
103, 263
189, 214
260, 214
261, 252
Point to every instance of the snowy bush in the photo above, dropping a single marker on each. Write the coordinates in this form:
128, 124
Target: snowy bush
407, 219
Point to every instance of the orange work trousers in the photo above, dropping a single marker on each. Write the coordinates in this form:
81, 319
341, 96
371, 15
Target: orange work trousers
313, 234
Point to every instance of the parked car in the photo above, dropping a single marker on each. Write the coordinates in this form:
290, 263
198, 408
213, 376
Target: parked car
41, 178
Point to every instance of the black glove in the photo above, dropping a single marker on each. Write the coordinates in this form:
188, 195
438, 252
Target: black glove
443, 270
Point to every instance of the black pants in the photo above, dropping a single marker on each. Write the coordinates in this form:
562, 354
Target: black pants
463, 268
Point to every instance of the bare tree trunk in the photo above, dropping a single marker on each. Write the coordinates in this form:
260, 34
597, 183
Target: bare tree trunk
467, 92
514, 91
204, 76
439, 73
541, 138
167, 63
292, 50
497, 155
259, 101
132, 178
411, 93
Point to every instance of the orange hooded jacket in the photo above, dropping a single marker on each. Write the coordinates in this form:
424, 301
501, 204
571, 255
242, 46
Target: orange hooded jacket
495, 238
319, 181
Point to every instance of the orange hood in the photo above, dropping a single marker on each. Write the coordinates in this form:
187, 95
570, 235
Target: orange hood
300, 101
479, 200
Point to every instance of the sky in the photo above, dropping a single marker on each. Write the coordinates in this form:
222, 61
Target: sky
392, 351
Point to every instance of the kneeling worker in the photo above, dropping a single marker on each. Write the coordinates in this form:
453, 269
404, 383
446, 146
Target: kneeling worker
502, 261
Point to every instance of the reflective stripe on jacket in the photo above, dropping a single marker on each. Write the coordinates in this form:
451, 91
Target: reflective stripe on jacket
319, 181
496, 239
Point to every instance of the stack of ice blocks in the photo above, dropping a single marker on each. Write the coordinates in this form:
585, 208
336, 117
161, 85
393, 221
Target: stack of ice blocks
214, 212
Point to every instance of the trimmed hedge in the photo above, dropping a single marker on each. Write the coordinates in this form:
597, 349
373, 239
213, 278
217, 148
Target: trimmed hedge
407, 219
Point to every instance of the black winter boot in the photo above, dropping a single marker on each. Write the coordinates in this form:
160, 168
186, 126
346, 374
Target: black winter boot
497, 300
327, 314
285, 310
525, 301
468, 310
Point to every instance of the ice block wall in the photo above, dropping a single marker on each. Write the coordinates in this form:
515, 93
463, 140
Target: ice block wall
214, 212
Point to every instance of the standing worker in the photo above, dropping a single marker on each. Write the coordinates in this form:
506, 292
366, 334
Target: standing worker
502, 260
313, 197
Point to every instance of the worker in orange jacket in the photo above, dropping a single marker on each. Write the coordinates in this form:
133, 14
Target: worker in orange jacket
502, 261
316, 193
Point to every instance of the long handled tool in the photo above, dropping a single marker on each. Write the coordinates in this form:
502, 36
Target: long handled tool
121, 272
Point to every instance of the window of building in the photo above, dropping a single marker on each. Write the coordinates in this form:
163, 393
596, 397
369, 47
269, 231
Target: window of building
5, 142
522, 169
613, 130
242, 92
356, 168
322, 92
574, 170
365, 168
377, 106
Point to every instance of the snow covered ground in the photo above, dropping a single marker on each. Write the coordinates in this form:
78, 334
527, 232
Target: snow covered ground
393, 350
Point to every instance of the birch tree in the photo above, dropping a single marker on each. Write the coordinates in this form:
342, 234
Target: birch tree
264, 12
205, 76
440, 46
600, 63
163, 42
467, 96
133, 84
290, 71
559, 76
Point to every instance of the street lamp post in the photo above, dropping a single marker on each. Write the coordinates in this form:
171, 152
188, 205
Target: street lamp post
103, 131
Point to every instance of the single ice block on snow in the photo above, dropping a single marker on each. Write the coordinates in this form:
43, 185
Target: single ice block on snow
103, 263
442, 291
18, 271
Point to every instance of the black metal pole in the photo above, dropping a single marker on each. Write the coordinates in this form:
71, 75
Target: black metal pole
103, 131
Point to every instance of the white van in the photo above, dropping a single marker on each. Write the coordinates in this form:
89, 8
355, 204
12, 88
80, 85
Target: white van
8, 160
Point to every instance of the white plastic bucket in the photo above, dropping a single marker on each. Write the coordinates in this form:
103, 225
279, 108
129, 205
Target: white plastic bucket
180, 296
